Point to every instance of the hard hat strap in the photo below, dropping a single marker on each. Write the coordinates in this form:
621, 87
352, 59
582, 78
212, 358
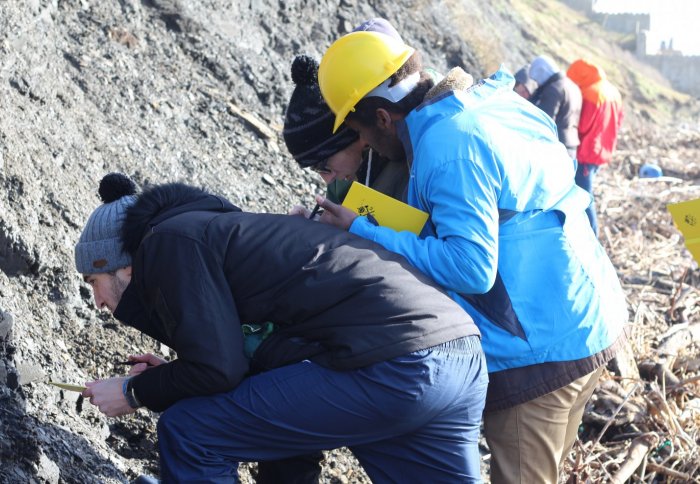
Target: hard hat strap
398, 91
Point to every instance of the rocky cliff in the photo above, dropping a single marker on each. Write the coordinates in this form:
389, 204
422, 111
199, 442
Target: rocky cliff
163, 90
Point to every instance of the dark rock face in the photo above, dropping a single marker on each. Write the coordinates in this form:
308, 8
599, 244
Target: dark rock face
162, 90
6, 323
14, 254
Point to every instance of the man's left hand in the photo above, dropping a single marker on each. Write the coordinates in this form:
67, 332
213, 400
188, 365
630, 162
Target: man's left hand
334, 214
107, 395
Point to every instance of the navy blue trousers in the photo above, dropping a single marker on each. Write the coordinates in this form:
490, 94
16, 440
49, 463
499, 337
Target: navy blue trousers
585, 176
414, 418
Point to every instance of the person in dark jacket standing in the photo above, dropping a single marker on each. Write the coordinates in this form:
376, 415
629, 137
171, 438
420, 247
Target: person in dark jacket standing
559, 97
367, 352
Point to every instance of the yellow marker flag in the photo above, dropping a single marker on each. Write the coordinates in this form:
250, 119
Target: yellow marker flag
686, 216
387, 211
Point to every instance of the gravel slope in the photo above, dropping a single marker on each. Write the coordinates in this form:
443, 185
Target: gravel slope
165, 91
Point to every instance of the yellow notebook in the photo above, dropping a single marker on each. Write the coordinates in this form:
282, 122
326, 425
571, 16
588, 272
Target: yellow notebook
387, 211
686, 216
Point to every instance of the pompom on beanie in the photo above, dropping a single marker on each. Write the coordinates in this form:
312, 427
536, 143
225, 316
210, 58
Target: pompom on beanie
308, 123
100, 248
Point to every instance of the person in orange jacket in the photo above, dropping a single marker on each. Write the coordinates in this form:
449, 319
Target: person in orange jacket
601, 117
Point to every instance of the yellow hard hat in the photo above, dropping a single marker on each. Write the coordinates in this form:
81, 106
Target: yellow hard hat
354, 65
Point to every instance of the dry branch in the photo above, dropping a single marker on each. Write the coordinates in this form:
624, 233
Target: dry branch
687, 365
635, 456
661, 283
612, 417
660, 372
670, 472
253, 121
679, 340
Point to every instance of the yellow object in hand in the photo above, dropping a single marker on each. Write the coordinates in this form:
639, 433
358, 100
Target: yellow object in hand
69, 387
387, 211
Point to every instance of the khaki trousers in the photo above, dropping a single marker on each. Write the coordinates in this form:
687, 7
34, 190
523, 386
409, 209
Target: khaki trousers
529, 442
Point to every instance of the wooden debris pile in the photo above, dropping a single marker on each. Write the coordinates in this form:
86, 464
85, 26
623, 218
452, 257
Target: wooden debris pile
647, 428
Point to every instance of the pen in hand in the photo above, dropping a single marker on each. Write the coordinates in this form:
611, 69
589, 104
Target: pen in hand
131, 363
315, 211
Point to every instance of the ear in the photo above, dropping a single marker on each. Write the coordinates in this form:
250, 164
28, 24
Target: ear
384, 120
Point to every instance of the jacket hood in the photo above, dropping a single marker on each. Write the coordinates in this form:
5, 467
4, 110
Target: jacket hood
584, 73
161, 202
542, 68
455, 80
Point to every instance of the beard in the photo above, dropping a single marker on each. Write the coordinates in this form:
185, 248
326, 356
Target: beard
116, 289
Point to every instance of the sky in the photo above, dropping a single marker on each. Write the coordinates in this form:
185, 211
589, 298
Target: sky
670, 19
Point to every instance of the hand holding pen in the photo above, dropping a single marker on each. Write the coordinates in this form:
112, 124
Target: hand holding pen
140, 363
315, 211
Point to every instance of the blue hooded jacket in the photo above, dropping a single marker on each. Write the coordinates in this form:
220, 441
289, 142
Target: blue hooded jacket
507, 234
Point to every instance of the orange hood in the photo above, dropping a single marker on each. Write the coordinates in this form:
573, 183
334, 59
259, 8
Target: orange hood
585, 73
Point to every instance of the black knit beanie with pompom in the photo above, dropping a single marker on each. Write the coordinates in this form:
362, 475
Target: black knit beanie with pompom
308, 124
100, 247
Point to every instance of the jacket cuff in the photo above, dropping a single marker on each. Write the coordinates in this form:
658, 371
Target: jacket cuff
363, 227
129, 394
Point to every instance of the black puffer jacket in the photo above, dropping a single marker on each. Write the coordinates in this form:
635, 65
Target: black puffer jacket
201, 268
561, 99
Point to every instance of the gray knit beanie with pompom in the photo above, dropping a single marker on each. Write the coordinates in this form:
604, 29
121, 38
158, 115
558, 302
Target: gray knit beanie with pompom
100, 246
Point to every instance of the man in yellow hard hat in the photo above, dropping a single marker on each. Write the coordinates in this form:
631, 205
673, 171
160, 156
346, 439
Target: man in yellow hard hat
508, 237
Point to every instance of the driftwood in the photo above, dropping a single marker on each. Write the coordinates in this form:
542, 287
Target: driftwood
659, 407
625, 366
677, 340
670, 472
653, 371
645, 428
687, 365
258, 126
617, 410
635, 456
688, 381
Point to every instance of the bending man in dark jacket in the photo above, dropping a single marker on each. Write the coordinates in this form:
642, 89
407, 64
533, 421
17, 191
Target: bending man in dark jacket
368, 353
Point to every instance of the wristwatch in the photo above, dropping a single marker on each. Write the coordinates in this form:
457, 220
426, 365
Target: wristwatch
128, 390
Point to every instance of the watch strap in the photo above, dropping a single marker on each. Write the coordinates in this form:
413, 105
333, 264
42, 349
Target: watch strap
128, 390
